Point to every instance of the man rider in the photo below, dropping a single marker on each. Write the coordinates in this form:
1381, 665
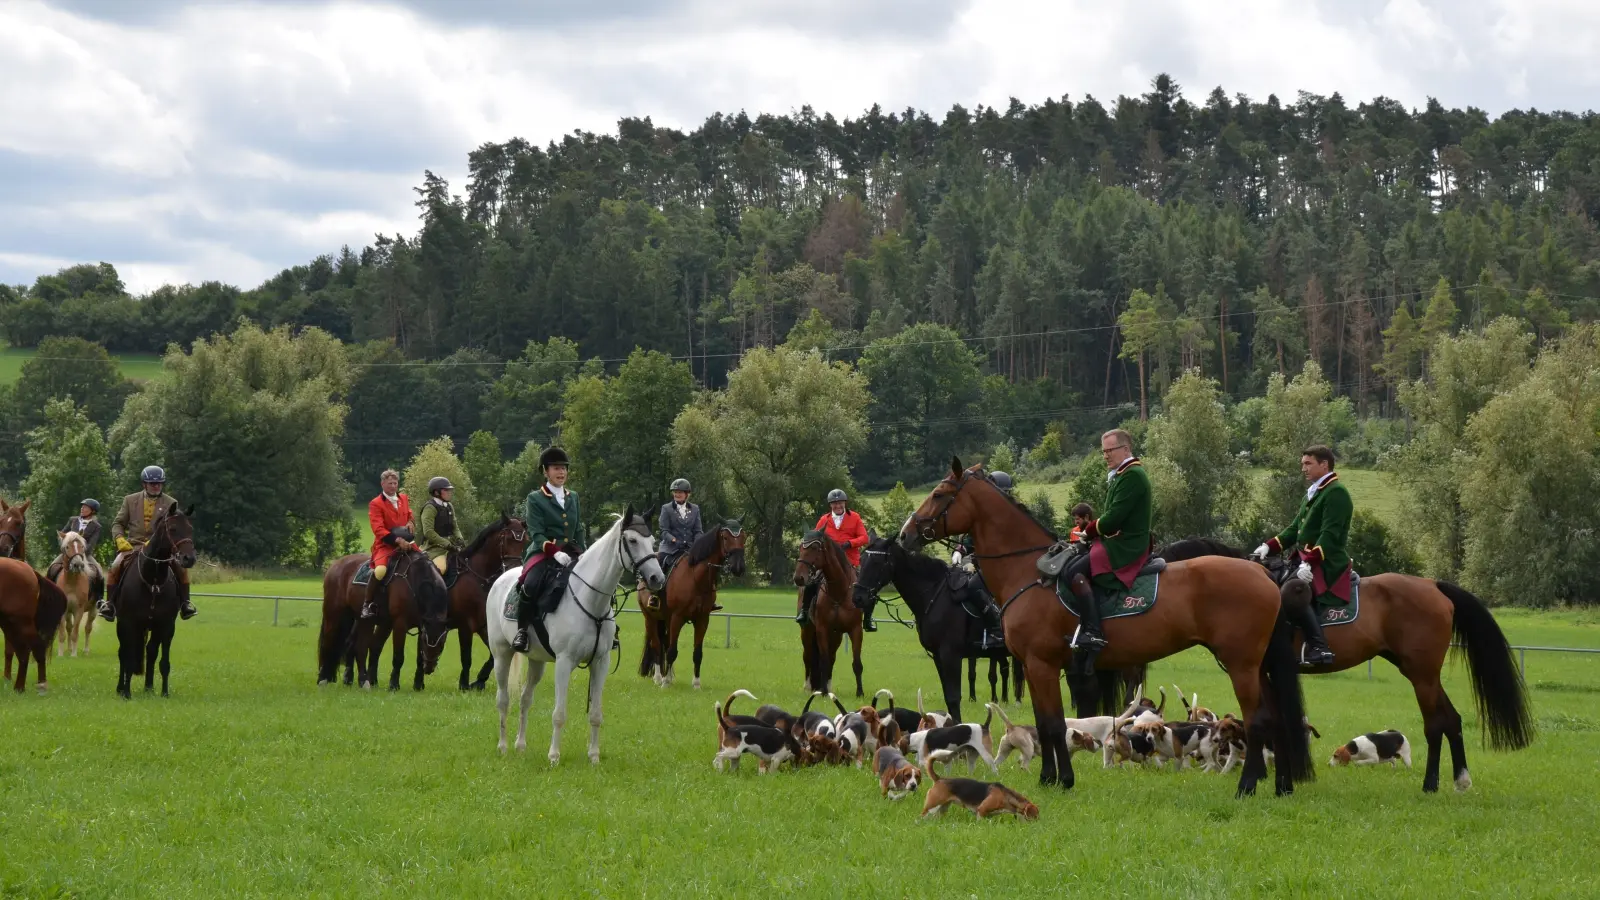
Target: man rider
1082, 515
389, 513
1321, 528
131, 531
1119, 542
437, 530
843, 526
555, 536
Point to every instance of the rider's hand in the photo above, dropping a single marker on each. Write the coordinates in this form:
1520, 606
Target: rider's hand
123, 546
1260, 552
1304, 572
955, 558
563, 559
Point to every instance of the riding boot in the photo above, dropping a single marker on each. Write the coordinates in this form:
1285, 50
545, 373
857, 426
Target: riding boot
991, 615
369, 609
186, 608
519, 643
107, 607
1315, 650
866, 622
1089, 640
806, 598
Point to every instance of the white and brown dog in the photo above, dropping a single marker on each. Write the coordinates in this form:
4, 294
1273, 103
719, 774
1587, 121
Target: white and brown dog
897, 777
1223, 746
968, 739
1022, 738
858, 731
1194, 711
769, 745
932, 718
1376, 747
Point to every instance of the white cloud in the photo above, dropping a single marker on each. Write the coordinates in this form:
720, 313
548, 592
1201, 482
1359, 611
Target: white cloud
195, 140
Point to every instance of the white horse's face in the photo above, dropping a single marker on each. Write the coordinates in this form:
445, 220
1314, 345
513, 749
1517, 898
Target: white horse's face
636, 546
74, 551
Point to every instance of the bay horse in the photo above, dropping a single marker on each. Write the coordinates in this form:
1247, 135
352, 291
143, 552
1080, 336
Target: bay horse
1229, 606
497, 547
76, 580
147, 599
580, 630
31, 609
690, 594
925, 586
824, 570
1411, 622
416, 599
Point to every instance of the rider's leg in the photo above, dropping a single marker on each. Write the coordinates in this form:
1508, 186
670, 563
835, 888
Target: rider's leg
1090, 638
369, 609
107, 606
441, 561
525, 607
1303, 613
866, 617
185, 606
808, 594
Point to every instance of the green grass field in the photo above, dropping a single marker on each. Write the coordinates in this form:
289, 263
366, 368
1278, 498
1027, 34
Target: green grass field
252, 781
138, 366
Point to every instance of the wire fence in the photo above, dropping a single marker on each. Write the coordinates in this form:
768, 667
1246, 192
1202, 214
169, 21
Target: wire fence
728, 617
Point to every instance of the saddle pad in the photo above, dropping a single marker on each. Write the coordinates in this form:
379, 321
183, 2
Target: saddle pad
363, 574
1333, 611
1116, 604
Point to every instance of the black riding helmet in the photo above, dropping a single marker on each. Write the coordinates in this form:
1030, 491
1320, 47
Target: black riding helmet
1001, 480
439, 483
681, 484
554, 456
92, 503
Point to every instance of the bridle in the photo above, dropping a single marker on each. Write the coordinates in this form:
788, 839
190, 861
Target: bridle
927, 527
414, 558
164, 530
886, 601
11, 548
508, 534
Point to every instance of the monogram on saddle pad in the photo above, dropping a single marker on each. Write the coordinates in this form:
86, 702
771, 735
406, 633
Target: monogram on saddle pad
1330, 611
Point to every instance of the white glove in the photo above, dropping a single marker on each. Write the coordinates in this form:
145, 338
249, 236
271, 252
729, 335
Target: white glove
1260, 552
1304, 572
563, 559
955, 558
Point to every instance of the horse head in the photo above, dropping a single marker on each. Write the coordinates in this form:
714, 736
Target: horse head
947, 510
172, 535
817, 556
730, 538
74, 551
638, 550
877, 568
432, 602
14, 528
513, 538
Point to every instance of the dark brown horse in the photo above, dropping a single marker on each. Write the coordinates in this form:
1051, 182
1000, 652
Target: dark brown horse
31, 609
1228, 606
497, 547
147, 599
824, 570
417, 599
690, 594
1411, 622
13, 545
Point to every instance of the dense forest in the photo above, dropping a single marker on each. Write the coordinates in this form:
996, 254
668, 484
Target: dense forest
1009, 278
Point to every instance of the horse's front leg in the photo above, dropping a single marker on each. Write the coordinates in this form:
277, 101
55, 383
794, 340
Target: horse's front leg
397, 647
151, 651
950, 685
855, 662
701, 623
1044, 679
422, 643
558, 716
535, 671
674, 627
597, 682
464, 635
166, 659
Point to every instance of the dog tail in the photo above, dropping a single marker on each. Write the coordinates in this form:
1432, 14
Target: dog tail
1161, 708
723, 722
988, 718
884, 692
838, 705
807, 708
996, 708
1188, 709
931, 758
919, 703
741, 692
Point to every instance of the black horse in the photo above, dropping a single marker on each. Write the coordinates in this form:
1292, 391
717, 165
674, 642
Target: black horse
147, 599
935, 592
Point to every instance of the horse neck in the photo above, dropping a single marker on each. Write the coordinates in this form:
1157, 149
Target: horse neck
837, 576
156, 554
600, 570
916, 589
488, 557
997, 520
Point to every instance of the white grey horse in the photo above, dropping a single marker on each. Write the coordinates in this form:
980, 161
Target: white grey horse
581, 628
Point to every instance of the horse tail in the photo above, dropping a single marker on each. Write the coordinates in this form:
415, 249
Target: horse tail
519, 672
1497, 686
51, 608
1105, 692
1281, 671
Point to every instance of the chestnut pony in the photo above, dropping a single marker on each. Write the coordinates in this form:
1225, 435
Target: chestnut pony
31, 609
1411, 622
824, 569
690, 594
1229, 606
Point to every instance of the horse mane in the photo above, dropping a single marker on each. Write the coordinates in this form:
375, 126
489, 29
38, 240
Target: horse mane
831, 544
984, 474
705, 545
485, 533
921, 565
1192, 547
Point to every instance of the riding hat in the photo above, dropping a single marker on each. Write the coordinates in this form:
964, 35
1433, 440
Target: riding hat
439, 483
1001, 480
91, 503
555, 456
153, 475
837, 496
681, 484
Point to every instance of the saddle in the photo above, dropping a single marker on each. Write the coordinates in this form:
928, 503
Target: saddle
363, 574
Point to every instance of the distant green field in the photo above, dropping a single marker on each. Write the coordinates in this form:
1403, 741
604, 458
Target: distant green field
138, 366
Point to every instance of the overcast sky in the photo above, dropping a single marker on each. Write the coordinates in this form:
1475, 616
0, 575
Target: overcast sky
186, 140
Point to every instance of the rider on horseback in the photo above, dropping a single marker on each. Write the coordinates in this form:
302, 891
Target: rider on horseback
86, 523
437, 529
1323, 523
843, 526
679, 525
965, 557
555, 535
390, 516
1119, 542
131, 531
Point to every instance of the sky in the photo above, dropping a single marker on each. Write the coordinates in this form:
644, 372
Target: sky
193, 140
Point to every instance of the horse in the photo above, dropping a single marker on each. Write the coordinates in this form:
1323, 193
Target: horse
580, 631
1003, 667
76, 580
925, 585
13, 545
690, 594
1411, 622
1229, 606
824, 570
417, 599
497, 547
147, 599
31, 609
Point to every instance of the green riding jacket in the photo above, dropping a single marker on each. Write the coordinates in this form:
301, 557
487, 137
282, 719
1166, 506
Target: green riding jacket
1124, 527
1322, 527
552, 525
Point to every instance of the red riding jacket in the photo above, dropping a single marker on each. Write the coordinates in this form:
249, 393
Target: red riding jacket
385, 518
852, 532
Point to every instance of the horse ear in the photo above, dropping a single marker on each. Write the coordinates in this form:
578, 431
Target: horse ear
4, 506
23, 506
955, 465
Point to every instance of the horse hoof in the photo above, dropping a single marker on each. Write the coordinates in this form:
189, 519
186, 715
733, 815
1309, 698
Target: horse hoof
594, 759
1463, 781
555, 759
502, 748
697, 684
44, 689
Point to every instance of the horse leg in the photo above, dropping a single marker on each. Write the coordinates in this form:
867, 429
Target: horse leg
598, 669
422, 643
41, 653
647, 646
950, 685
808, 650
701, 623
397, 649
152, 649
558, 717
674, 626
855, 662
972, 678
88, 626
1016, 677
488, 664
166, 656
826, 654
464, 636
1044, 678
501, 659
1247, 687
1439, 718
529, 682
994, 665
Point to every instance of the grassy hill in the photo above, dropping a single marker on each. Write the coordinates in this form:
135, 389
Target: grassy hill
138, 366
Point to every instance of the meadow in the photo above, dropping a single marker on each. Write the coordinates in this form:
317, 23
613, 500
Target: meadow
252, 781
138, 366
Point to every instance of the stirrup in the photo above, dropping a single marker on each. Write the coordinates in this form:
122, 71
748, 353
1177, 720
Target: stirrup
519, 643
1312, 657
1087, 640
187, 611
106, 610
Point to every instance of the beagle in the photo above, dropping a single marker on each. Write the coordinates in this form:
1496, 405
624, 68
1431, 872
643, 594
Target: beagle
970, 740
1195, 712
1225, 740
930, 719
897, 777
984, 798
858, 731
904, 719
1373, 748
1022, 738
769, 745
